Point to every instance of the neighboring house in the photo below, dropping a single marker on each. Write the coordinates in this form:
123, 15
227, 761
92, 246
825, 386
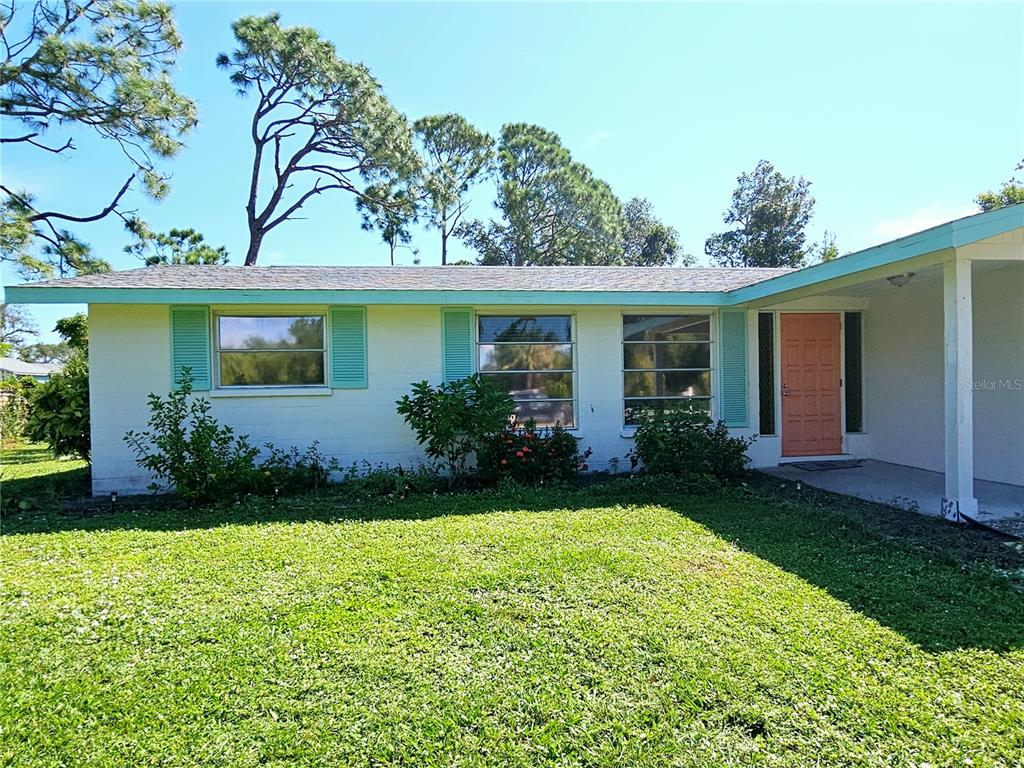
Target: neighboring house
910, 352
11, 367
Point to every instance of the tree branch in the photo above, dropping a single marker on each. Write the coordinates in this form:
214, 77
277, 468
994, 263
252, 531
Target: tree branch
48, 215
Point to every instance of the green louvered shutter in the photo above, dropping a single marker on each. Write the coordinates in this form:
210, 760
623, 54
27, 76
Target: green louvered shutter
190, 345
733, 367
457, 343
348, 347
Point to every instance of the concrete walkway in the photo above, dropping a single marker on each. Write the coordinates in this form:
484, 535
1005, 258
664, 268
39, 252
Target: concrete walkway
912, 489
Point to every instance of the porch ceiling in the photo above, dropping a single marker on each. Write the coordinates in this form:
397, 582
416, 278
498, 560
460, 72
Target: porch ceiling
922, 276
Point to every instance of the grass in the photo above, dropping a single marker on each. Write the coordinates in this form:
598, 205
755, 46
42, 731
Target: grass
615, 625
32, 480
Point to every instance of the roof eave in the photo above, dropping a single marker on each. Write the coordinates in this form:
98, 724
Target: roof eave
26, 294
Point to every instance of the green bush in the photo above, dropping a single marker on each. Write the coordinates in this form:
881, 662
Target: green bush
286, 472
203, 461
59, 410
687, 443
530, 455
15, 396
453, 420
187, 449
367, 481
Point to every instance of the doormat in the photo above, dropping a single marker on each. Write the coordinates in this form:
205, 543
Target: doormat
821, 466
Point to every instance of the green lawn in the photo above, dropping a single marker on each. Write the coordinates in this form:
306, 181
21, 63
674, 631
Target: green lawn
612, 626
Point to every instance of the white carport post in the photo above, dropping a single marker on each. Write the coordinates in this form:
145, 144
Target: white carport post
959, 501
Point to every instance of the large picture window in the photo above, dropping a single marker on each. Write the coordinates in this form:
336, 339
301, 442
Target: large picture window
531, 358
271, 351
666, 363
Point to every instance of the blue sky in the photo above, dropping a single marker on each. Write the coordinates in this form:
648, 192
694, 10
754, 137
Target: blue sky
898, 114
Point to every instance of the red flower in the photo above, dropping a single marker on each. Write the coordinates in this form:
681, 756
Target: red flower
519, 454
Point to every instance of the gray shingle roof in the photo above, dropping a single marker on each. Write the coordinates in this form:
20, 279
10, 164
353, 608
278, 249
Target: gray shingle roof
654, 279
16, 367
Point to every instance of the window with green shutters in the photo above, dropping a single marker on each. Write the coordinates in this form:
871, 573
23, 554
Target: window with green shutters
294, 350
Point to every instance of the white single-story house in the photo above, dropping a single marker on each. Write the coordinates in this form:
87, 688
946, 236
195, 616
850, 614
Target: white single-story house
910, 352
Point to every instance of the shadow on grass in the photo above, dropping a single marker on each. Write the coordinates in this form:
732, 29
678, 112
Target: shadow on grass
934, 583
927, 580
31, 479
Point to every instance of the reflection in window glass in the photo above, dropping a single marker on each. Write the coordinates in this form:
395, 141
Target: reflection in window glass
271, 332
531, 358
271, 351
532, 329
666, 363
666, 328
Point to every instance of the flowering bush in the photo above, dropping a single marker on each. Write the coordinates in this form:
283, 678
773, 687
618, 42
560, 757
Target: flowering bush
530, 455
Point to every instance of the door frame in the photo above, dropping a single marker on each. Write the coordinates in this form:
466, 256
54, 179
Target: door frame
777, 364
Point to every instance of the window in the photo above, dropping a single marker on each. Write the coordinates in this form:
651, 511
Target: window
766, 371
666, 362
854, 374
532, 359
271, 351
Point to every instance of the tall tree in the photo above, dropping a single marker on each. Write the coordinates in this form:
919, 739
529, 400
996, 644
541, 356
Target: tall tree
646, 240
15, 324
177, 246
390, 212
320, 123
456, 155
553, 209
91, 65
770, 213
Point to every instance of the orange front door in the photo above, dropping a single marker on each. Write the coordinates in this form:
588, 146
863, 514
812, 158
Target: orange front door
811, 419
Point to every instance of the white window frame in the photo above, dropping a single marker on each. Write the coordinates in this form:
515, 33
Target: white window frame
216, 315
572, 342
711, 369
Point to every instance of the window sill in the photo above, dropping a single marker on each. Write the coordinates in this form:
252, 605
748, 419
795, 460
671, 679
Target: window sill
628, 432
272, 392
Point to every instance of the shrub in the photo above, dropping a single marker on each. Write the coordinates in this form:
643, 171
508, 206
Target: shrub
367, 481
15, 395
204, 461
454, 419
530, 455
189, 450
294, 471
59, 410
687, 443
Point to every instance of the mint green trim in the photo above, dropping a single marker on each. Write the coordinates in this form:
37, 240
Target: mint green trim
26, 294
456, 343
348, 347
732, 367
190, 345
